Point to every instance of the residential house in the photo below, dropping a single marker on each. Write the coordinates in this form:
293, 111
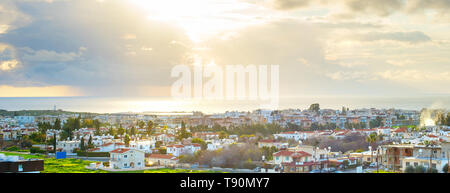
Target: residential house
162, 160
124, 158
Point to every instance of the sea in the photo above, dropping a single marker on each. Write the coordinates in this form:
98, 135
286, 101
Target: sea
161, 105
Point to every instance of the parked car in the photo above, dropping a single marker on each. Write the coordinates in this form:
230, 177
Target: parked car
372, 165
315, 171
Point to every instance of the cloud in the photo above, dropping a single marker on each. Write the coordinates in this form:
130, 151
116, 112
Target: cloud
34, 56
10, 17
350, 9
414, 75
410, 37
290, 4
8, 65
378, 7
87, 44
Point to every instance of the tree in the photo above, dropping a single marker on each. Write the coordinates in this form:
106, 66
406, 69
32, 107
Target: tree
149, 128
345, 164
57, 124
90, 144
410, 169
201, 142
183, 132
127, 140
111, 131
158, 144
68, 128
97, 127
314, 107
133, 131
141, 124
54, 142
372, 138
445, 169
77, 124
420, 169
378, 122
82, 145
121, 131
223, 135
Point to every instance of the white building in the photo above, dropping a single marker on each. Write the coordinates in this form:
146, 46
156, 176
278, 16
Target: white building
179, 149
124, 158
144, 145
68, 146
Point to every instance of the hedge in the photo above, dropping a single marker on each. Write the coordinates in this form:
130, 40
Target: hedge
36, 150
93, 154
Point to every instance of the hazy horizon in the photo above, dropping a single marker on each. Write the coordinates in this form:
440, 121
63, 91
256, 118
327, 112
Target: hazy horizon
159, 104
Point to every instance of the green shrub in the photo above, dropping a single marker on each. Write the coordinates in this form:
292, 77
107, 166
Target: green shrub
36, 150
410, 169
13, 148
93, 154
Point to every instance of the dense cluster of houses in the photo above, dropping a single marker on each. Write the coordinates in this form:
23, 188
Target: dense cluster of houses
145, 150
413, 149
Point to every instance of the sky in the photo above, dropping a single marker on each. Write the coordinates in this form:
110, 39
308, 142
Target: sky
128, 47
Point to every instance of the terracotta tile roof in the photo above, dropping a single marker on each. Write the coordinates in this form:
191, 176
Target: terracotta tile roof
162, 156
291, 153
400, 130
267, 141
176, 146
288, 132
120, 150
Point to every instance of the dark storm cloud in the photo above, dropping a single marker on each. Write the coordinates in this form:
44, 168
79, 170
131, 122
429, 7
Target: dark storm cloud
84, 43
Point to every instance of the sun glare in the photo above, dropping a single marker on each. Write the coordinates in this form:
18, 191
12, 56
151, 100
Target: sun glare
429, 122
200, 19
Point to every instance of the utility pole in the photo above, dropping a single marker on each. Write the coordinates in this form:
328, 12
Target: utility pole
378, 150
448, 163
431, 160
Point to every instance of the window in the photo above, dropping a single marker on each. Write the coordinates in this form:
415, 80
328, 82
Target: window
416, 164
125, 164
407, 164
20, 169
125, 156
434, 166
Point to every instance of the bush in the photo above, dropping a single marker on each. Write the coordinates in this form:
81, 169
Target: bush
36, 150
420, 169
410, 169
13, 148
93, 154
445, 168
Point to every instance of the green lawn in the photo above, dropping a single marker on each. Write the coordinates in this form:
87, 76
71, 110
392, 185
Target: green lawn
52, 165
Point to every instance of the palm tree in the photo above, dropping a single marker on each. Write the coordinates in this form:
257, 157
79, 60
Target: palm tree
372, 138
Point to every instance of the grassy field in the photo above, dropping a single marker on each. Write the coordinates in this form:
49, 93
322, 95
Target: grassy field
52, 165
